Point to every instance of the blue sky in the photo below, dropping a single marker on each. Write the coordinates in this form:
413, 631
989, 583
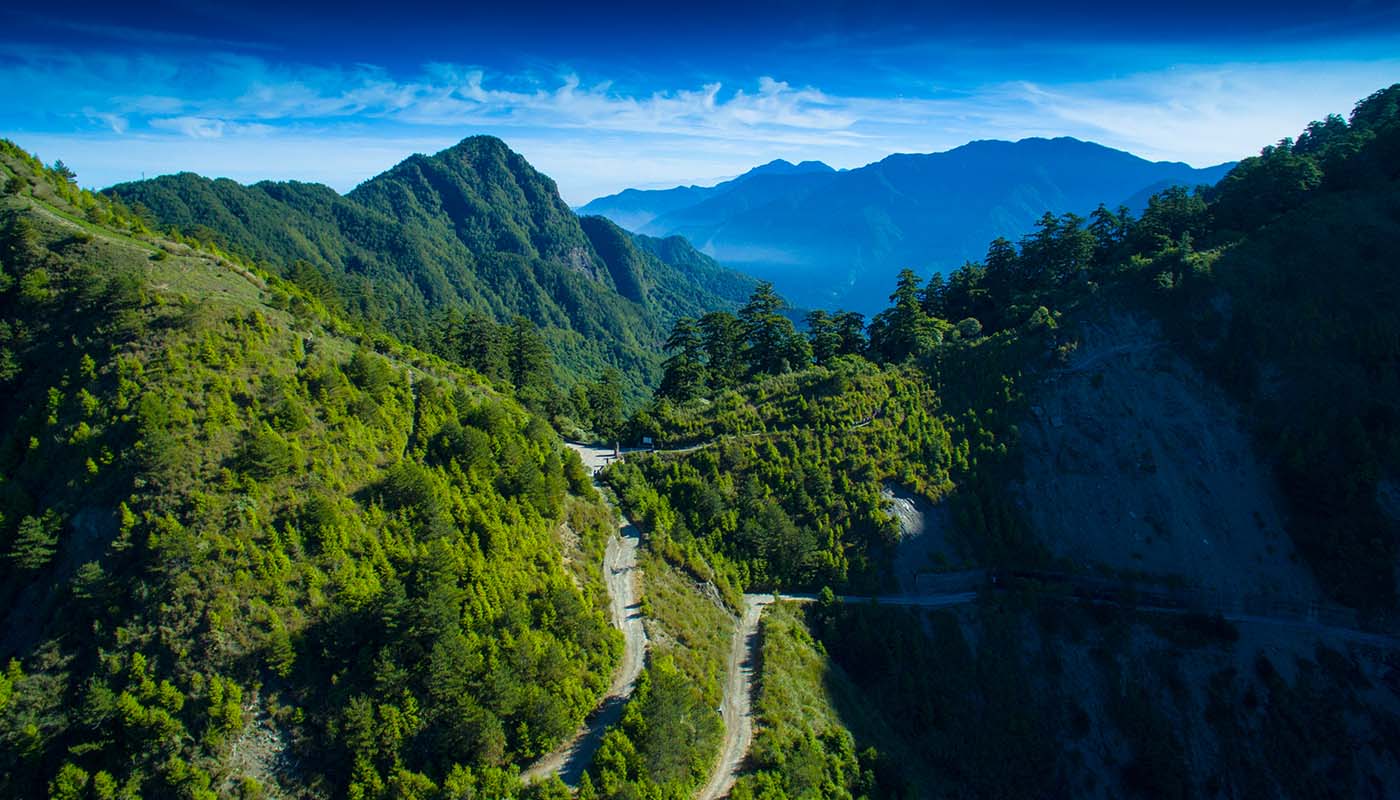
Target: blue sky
602, 96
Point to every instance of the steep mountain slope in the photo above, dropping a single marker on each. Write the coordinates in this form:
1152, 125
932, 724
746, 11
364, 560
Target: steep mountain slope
1163, 446
472, 228
835, 239
1136, 461
695, 266
246, 555
666, 273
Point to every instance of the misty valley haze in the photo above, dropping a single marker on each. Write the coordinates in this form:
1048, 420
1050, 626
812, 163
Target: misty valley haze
831, 239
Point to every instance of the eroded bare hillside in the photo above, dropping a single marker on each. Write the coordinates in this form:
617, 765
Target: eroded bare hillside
1134, 461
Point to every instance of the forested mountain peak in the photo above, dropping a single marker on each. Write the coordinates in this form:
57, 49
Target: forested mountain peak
491, 197
473, 229
252, 548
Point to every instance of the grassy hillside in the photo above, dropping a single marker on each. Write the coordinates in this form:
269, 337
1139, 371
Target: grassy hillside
251, 551
473, 228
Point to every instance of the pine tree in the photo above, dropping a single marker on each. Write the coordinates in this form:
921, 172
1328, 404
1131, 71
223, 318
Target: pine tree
723, 338
483, 347
529, 362
1109, 229
35, 542
63, 171
932, 297
683, 374
904, 329
605, 400
850, 327
967, 295
1003, 276
824, 336
773, 346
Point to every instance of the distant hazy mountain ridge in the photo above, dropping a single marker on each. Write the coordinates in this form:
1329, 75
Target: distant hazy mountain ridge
829, 238
635, 209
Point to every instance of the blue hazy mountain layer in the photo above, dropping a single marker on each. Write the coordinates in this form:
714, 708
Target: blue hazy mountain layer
830, 238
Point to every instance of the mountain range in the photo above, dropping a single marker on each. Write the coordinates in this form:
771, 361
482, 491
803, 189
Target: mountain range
829, 238
471, 228
1116, 514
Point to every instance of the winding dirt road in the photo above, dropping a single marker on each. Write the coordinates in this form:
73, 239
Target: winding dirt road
737, 709
571, 758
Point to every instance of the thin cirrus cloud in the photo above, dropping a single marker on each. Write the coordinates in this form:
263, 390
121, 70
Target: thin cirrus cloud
342, 124
207, 127
1207, 112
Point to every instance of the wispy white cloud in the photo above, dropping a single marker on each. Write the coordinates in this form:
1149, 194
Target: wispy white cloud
147, 37
1207, 112
116, 122
207, 127
246, 117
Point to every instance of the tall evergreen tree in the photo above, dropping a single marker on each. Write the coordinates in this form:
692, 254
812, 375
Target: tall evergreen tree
1171, 213
723, 337
1037, 253
904, 329
1002, 274
605, 400
823, 335
683, 374
932, 297
1059, 250
850, 328
483, 346
967, 295
1074, 252
530, 363
63, 171
773, 345
35, 542
1110, 230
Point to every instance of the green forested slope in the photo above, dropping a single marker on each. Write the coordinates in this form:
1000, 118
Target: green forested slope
794, 502
1280, 282
244, 552
696, 267
665, 744
252, 542
473, 228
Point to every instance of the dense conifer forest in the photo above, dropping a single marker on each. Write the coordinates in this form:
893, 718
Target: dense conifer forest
285, 508
436, 247
231, 517
926, 392
775, 444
